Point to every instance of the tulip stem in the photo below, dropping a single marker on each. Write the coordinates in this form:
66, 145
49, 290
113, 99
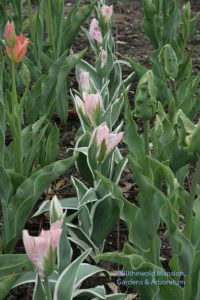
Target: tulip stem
14, 93
47, 289
30, 16
51, 30
190, 200
16, 119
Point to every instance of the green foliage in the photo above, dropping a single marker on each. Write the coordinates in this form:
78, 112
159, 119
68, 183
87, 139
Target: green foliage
18, 201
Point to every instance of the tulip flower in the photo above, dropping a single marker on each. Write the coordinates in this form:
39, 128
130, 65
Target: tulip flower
84, 81
107, 12
95, 32
10, 36
19, 49
103, 58
91, 106
56, 210
105, 142
41, 249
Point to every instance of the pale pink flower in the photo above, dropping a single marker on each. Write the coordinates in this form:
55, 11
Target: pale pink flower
92, 104
10, 35
114, 141
84, 81
107, 12
103, 58
110, 140
95, 32
39, 248
102, 134
55, 232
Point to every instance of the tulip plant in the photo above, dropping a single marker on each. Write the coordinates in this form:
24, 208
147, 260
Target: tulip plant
159, 159
98, 104
56, 276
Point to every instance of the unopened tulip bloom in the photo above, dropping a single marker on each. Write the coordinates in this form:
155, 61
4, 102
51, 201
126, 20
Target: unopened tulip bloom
10, 35
56, 210
91, 106
95, 32
84, 81
41, 249
105, 141
107, 12
103, 58
20, 48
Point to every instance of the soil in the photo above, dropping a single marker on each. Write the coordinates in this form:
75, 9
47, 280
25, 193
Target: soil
130, 43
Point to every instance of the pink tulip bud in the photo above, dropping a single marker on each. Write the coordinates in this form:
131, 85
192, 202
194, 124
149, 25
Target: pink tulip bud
102, 134
84, 81
107, 12
105, 141
10, 35
93, 105
95, 32
20, 48
114, 141
103, 58
40, 249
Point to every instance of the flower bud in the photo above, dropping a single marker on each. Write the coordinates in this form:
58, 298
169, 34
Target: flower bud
170, 60
193, 140
91, 107
25, 75
107, 12
84, 81
20, 48
95, 32
145, 97
41, 249
103, 58
56, 211
184, 128
10, 36
105, 142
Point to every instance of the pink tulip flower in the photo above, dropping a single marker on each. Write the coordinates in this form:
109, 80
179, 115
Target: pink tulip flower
103, 137
84, 81
20, 48
103, 58
95, 32
91, 106
10, 36
102, 134
40, 249
107, 12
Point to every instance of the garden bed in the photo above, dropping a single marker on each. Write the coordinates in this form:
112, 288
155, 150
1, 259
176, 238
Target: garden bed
130, 43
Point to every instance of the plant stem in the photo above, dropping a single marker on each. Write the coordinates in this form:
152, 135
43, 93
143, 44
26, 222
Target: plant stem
14, 93
16, 125
51, 30
190, 200
47, 289
146, 136
30, 16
